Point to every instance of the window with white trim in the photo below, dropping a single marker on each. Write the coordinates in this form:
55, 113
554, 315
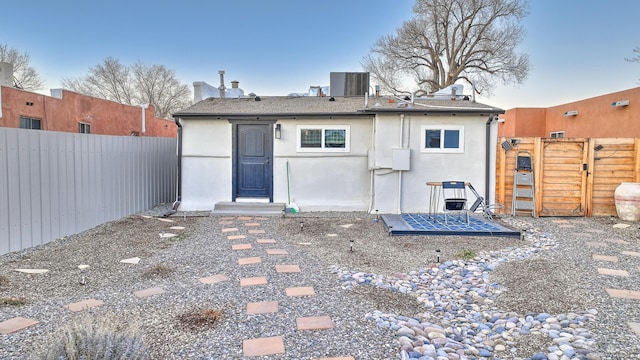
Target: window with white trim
84, 128
556, 134
316, 138
442, 138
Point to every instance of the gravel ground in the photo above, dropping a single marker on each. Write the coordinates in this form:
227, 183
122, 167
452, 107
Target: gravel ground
560, 279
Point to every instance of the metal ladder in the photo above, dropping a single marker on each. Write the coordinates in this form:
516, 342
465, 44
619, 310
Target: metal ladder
523, 185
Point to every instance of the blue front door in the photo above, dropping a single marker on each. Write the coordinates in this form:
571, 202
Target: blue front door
253, 160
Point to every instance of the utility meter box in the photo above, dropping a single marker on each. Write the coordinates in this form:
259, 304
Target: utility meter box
401, 159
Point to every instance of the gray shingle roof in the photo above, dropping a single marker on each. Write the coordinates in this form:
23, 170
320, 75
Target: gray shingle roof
319, 106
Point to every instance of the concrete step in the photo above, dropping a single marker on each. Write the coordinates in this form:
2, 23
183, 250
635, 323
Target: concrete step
248, 208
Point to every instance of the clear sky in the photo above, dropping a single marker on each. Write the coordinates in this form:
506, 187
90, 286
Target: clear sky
275, 47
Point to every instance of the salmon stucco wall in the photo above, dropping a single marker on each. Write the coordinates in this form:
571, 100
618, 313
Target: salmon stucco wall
523, 122
596, 117
65, 112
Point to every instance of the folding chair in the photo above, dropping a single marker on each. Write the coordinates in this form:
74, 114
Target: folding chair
480, 203
454, 194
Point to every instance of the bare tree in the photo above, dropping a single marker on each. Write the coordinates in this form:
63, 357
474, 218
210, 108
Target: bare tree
138, 84
25, 76
451, 40
158, 85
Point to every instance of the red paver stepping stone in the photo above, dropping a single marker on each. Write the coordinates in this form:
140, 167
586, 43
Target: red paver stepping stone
262, 307
631, 253
244, 218
236, 237
227, 218
213, 279
249, 260
605, 258
263, 346
336, 358
241, 247
148, 292
84, 305
277, 252
613, 272
225, 230
300, 291
314, 323
624, 294
266, 241
253, 231
252, 224
287, 268
596, 244
635, 327
226, 222
252, 281
566, 226
16, 324
261, 218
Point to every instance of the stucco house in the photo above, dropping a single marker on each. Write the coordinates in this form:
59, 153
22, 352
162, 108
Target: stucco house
331, 153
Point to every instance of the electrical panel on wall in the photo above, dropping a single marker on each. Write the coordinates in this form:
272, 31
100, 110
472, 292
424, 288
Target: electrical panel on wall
401, 159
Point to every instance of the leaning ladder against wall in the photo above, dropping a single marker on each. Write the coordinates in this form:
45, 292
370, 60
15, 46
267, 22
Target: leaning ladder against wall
523, 185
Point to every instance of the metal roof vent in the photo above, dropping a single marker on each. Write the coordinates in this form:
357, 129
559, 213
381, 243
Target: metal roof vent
221, 88
349, 83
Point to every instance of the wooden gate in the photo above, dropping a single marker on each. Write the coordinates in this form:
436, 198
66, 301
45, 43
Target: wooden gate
562, 177
573, 176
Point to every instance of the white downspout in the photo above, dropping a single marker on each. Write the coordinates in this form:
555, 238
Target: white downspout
144, 107
400, 171
372, 181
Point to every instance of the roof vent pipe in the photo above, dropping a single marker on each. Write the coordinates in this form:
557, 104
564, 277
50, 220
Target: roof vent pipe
221, 88
144, 117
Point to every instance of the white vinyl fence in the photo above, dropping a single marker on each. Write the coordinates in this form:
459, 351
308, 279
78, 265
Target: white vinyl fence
54, 184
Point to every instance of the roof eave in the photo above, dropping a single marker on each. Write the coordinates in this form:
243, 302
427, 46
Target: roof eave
359, 113
270, 116
439, 111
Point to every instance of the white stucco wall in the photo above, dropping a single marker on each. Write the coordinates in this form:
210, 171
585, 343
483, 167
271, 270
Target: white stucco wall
339, 181
206, 164
407, 192
324, 181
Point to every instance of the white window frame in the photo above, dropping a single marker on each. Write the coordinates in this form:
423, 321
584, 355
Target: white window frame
442, 149
84, 126
556, 134
322, 148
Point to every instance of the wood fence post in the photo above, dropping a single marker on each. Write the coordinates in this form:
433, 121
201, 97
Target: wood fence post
591, 144
636, 160
537, 175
